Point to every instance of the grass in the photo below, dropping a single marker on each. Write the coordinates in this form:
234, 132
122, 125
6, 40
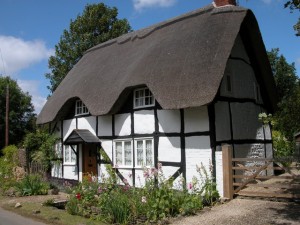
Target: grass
49, 215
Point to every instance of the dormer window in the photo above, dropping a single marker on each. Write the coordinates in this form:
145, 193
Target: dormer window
143, 98
80, 108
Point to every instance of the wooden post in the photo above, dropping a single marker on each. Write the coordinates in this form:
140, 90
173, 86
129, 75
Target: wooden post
7, 117
227, 171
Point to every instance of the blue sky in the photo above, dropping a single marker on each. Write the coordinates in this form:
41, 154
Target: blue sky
29, 31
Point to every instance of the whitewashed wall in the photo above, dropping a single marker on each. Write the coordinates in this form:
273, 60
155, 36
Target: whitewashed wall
105, 125
169, 121
88, 123
122, 124
219, 172
144, 122
222, 121
197, 151
68, 127
196, 119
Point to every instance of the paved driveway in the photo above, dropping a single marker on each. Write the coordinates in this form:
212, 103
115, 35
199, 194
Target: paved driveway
9, 218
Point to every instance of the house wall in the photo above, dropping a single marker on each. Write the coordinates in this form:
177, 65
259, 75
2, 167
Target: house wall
181, 140
237, 110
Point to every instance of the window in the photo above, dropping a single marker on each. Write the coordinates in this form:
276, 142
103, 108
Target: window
69, 154
80, 108
123, 153
57, 149
144, 152
143, 98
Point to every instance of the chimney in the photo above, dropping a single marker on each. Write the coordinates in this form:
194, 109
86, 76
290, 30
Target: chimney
219, 3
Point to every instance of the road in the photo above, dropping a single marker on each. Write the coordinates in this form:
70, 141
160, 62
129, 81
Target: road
9, 218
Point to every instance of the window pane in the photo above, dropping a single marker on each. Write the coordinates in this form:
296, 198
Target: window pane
127, 152
73, 155
149, 152
139, 152
119, 153
67, 154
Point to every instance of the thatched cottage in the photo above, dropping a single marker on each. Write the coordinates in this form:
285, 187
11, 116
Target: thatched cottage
171, 93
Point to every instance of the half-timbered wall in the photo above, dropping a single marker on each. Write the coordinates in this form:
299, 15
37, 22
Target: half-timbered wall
237, 109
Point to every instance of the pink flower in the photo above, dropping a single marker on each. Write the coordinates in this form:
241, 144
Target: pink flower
146, 173
154, 171
190, 185
159, 166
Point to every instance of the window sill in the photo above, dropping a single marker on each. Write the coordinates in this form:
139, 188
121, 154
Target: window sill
69, 164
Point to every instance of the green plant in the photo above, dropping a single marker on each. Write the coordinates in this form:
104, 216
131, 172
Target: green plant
32, 185
48, 202
8, 162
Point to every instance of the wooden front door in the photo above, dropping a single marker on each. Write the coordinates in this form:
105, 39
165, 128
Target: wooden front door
89, 157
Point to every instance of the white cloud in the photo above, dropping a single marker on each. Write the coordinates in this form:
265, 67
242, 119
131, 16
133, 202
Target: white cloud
18, 54
141, 4
32, 87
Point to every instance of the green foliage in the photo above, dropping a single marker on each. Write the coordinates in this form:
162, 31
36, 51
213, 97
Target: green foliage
40, 145
284, 74
8, 162
294, 5
282, 147
21, 112
157, 200
33, 185
97, 24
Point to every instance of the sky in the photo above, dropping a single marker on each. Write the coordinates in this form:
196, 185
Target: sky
30, 29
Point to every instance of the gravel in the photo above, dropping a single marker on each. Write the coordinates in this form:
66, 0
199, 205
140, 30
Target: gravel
246, 211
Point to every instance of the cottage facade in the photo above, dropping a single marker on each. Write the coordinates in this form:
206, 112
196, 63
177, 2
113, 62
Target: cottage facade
171, 93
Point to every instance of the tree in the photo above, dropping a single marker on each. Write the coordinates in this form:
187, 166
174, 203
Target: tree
21, 112
294, 5
97, 24
284, 74
40, 147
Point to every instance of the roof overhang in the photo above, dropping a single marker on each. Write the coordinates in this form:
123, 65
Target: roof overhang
81, 136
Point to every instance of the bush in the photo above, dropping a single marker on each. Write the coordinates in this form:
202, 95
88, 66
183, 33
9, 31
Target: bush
33, 185
7, 164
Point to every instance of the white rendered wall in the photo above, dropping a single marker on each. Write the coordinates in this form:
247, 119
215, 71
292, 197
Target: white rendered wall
197, 151
122, 124
144, 122
70, 172
68, 127
169, 121
105, 125
222, 121
245, 121
88, 123
219, 172
169, 149
80, 162
196, 119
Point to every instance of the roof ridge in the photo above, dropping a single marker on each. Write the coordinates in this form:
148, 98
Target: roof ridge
144, 32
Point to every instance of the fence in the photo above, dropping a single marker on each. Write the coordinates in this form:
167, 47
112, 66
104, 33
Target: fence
260, 180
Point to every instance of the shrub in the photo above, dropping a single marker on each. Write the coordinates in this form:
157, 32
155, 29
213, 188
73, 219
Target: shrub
157, 200
7, 164
33, 185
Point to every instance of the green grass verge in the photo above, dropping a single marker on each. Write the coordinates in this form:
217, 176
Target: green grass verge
49, 215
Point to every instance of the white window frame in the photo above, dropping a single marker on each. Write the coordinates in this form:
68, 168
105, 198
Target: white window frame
144, 152
143, 97
79, 105
69, 161
123, 153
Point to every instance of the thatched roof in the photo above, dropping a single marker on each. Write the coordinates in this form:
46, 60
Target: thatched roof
182, 61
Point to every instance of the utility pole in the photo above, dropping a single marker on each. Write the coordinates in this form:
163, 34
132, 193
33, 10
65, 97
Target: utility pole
7, 117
